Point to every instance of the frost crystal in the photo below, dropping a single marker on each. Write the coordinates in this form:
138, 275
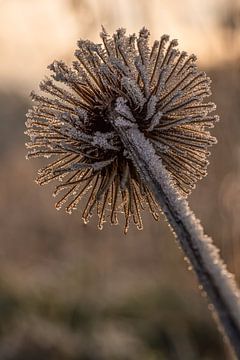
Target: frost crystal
123, 84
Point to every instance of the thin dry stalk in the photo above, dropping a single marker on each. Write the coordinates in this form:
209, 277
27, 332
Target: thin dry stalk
203, 256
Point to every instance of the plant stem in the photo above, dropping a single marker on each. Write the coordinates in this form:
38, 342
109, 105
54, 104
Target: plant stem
203, 256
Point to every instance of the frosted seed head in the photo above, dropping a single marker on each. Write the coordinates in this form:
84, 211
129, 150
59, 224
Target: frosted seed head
122, 85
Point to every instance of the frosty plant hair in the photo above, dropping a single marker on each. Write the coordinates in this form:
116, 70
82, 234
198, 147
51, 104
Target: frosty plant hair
128, 129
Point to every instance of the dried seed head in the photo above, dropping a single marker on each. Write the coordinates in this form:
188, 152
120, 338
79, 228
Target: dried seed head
126, 81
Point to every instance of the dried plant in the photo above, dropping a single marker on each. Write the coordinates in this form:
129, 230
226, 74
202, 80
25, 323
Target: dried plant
159, 88
128, 129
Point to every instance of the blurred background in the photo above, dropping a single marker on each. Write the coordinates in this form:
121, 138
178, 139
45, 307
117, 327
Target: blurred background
69, 291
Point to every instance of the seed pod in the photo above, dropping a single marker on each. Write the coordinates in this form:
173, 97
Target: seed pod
125, 81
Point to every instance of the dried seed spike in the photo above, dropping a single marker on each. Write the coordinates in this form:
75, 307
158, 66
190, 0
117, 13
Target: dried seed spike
160, 56
108, 43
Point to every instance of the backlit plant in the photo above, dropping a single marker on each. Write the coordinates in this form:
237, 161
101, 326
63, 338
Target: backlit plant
127, 126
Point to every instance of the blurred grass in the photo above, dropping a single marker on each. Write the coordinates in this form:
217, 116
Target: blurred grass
153, 324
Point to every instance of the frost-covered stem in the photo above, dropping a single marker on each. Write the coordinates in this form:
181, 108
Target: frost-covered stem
204, 257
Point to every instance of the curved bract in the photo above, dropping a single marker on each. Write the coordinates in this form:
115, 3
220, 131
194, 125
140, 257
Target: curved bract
125, 81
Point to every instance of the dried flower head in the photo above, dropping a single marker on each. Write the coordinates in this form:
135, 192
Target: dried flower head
157, 88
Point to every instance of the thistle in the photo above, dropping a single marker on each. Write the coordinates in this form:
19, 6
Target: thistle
128, 130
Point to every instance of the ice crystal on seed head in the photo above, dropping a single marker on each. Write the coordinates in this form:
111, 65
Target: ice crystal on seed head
157, 89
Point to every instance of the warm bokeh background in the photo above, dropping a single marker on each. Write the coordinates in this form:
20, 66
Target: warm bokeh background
69, 291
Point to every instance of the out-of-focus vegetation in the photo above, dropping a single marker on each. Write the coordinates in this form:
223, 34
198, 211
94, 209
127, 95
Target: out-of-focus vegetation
69, 291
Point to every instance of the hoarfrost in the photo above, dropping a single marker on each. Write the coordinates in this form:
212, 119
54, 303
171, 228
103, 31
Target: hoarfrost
203, 255
103, 140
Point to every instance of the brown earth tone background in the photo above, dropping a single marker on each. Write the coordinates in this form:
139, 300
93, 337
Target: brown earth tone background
69, 291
